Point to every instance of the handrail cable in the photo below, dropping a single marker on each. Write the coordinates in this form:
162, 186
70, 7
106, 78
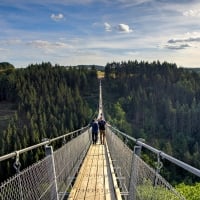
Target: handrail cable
163, 155
48, 141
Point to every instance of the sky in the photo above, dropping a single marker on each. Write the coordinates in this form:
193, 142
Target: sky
85, 32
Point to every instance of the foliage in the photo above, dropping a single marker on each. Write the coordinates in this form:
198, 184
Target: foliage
149, 192
188, 191
48, 101
158, 102
6, 65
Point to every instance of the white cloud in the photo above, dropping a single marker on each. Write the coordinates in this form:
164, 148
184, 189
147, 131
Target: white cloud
178, 47
192, 13
39, 43
197, 39
43, 44
187, 40
131, 3
10, 42
107, 27
124, 28
57, 17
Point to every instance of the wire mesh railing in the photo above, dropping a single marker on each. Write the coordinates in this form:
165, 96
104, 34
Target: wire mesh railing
35, 182
51, 177
68, 160
136, 179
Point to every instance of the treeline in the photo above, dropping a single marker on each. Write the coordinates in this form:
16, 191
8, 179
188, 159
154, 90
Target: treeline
6, 66
158, 102
48, 101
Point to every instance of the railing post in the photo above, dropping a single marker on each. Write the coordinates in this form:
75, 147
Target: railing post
49, 152
159, 165
17, 166
137, 150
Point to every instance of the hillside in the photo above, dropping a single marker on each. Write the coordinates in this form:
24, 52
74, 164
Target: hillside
5, 66
197, 69
43, 101
158, 102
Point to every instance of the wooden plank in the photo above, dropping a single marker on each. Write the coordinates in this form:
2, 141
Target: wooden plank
100, 175
90, 170
94, 180
76, 188
90, 195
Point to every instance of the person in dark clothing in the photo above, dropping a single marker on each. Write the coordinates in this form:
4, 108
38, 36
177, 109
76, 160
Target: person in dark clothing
102, 124
95, 129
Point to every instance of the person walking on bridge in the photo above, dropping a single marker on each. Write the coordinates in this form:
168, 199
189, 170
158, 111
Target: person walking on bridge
102, 124
95, 129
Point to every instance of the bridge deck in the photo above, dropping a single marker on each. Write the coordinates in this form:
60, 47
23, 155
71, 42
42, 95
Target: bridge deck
94, 180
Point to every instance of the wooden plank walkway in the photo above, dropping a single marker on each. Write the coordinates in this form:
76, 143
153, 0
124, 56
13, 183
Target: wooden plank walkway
95, 178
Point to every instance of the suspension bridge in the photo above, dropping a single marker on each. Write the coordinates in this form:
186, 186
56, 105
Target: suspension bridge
81, 170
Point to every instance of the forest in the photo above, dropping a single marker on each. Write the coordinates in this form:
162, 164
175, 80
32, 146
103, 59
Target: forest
158, 102
42, 101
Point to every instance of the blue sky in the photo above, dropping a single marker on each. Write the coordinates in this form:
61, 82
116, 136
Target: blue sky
73, 32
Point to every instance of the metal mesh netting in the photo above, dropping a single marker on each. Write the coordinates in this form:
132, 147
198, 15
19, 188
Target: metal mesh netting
67, 161
137, 180
122, 159
35, 182
38, 180
148, 184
